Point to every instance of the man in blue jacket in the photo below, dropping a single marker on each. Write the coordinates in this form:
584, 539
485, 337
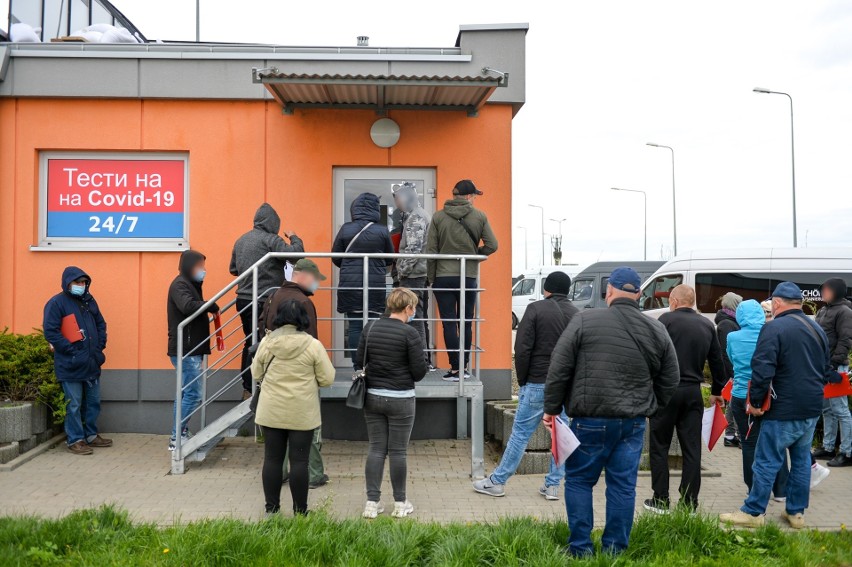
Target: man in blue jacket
791, 362
76, 331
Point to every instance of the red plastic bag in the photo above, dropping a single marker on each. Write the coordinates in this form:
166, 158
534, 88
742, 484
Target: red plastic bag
220, 339
844, 388
728, 391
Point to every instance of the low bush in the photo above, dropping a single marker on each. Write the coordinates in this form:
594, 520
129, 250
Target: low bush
26, 372
106, 536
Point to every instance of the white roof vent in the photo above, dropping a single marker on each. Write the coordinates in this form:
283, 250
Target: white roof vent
363, 40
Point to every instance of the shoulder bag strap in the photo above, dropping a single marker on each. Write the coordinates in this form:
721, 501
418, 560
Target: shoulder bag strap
367, 344
360, 232
469, 233
803, 321
626, 326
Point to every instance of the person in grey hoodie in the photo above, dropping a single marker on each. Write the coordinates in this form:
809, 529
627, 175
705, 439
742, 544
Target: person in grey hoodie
412, 271
248, 249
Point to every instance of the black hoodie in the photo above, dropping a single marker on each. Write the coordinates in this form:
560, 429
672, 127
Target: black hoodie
835, 318
185, 298
725, 325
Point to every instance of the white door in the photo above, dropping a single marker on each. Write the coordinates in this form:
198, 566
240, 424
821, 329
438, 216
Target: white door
349, 182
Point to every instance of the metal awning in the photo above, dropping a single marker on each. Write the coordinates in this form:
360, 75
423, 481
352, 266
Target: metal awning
380, 92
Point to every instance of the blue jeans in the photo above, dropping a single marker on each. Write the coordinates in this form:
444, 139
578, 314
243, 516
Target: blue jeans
83, 401
356, 327
776, 437
613, 444
835, 411
191, 379
527, 420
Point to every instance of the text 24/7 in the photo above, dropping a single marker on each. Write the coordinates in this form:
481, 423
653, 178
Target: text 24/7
108, 224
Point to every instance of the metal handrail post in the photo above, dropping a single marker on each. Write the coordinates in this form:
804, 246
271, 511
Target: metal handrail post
462, 322
254, 317
176, 454
365, 305
205, 368
477, 323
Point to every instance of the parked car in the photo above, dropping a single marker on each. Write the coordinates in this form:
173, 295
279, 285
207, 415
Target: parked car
588, 288
528, 289
751, 273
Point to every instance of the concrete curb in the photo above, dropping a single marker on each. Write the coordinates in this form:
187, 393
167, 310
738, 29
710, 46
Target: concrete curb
30, 455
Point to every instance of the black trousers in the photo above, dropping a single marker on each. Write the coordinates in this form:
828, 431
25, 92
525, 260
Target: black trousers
274, 447
449, 304
244, 307
683, 414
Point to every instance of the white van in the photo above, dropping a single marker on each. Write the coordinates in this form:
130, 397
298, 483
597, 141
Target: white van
528, 289
751, 273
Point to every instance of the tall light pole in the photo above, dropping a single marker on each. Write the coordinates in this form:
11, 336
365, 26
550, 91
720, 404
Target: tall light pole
525, 246
674, 193
645, 196
792, 156
542, 231
559, 222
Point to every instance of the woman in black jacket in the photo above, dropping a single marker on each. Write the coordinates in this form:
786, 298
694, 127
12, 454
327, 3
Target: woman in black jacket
363, 234
393, 355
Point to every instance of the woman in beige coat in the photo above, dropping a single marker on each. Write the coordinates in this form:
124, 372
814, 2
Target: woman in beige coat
293, 366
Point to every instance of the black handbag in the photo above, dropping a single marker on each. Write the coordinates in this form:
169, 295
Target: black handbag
358, 390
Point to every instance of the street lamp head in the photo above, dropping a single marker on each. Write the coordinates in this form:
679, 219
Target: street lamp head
761, 90
652, 144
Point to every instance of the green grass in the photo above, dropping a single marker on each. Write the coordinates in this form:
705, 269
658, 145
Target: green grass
106, 536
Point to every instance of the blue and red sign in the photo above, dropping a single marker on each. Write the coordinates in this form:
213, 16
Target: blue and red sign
116, 198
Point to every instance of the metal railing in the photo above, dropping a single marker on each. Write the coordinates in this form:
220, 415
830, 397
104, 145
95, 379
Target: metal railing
226, 357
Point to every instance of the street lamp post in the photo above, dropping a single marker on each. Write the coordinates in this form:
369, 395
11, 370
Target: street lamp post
645, 196
792, 156
526, 266
542, 231
674, 193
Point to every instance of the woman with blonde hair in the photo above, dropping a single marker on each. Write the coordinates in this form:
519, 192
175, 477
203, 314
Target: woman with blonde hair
393, 356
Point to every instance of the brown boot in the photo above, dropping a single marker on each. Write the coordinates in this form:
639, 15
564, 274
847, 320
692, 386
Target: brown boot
80, 448
246, 395
99, 441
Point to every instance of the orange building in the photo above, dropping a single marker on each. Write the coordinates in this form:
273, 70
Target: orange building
228, 127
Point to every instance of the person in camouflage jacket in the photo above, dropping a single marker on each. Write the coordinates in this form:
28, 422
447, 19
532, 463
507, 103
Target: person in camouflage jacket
412, 271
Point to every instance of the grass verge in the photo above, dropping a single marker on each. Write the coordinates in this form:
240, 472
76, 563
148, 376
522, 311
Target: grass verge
106, 536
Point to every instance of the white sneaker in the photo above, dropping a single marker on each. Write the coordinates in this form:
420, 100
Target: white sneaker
779, 498
818, 474
373, 509
402, 509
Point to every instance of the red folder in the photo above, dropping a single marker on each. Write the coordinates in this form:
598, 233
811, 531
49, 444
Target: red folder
220, 339
844, 388
70, 329
717, 426
728, 390
396, 238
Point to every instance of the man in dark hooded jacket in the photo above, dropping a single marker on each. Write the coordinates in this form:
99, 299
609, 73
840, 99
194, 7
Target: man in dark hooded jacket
185, 298
248, 249
77, 333
363, 234
835, 318
457, 229
726, 323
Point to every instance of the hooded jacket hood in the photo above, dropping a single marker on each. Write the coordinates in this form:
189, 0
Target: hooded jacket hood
750, 315
723, 315
287, 343
188, 260
72, 273
457, 208
266, 219
406, 195
838, 288
365, 207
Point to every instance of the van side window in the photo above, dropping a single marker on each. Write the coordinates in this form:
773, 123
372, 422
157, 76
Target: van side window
656, 293
709, 288
524, 287
810, 284
581, 290
604, 283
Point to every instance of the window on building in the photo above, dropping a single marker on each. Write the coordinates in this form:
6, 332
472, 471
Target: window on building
656, 294
524, 287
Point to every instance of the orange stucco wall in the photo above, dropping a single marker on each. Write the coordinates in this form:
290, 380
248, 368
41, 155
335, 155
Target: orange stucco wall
240, 154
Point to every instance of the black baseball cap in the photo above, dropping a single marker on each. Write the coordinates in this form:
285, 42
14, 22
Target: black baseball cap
466, 187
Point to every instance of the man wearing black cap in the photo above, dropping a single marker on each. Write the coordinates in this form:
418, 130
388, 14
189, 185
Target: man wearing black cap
793, 363
610, 369
538, 331
696, 343
457, 229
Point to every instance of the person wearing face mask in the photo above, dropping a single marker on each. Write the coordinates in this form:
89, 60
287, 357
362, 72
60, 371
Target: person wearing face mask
302, 285
185, 298
392, 353
77, 333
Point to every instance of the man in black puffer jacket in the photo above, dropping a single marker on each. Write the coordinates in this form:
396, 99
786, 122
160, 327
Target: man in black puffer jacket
538, 333
363, 234
611, 369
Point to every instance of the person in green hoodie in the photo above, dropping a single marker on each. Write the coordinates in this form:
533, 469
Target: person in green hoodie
458, 228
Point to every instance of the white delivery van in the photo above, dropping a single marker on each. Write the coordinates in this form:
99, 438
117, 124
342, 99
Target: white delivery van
751, 273
528, 289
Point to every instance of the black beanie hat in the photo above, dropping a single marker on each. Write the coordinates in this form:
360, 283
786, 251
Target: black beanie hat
558, 282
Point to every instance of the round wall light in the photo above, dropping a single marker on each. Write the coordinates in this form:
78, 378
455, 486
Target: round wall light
385, 133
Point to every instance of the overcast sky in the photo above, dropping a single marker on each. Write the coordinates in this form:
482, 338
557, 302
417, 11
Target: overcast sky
604, 78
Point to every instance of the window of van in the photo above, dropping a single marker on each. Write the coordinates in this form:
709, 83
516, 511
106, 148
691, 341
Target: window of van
581, 290
656, 293
604, 283
709, 288
524, 287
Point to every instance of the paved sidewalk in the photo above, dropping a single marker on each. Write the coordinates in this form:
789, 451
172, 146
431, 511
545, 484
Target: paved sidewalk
134, 474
